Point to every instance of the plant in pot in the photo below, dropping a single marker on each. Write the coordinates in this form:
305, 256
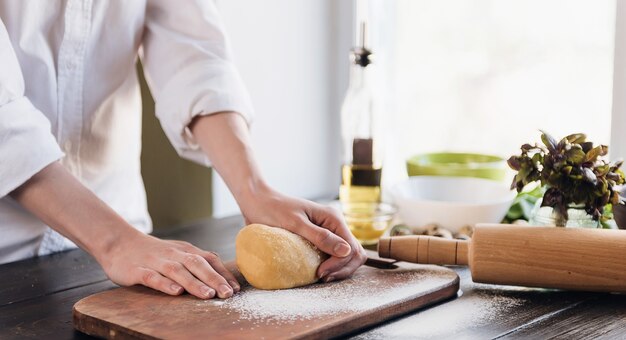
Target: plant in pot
579, 185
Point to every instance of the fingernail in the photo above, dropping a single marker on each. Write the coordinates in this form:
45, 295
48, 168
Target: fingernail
235, 286
342, 249
324, 274
176, 288
207, 292
330, 278
225, 291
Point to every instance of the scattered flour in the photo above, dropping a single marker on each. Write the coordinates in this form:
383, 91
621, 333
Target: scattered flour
358, 293
481, 306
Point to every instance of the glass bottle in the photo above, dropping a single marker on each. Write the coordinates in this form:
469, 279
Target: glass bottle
362, 164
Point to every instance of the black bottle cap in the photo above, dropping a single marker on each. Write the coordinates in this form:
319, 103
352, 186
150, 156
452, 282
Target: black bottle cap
361, 55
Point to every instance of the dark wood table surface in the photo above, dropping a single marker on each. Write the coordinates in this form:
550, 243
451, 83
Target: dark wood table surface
37, 295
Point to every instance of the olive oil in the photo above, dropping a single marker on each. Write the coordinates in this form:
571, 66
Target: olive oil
360, 191
360, 183
367, 231
368, 221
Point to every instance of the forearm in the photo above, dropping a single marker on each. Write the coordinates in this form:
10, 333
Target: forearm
62, 202
224, 137
127, 256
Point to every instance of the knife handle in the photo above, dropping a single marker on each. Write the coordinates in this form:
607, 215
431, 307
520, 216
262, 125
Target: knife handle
424, 249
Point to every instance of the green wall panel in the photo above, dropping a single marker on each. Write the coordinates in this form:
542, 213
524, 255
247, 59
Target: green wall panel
178, 191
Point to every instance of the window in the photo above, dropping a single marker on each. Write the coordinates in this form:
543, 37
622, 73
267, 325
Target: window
486, 75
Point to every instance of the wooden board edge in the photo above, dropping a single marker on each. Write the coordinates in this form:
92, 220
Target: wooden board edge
366, 321
95, 327
92, 326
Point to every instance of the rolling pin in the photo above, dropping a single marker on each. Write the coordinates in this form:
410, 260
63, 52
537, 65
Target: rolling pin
548, 257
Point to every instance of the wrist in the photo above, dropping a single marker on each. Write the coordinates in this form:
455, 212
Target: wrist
119, 235
251, 191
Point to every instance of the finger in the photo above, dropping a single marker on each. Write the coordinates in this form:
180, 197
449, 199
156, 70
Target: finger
332, 264
154, 280
200, 268
326, 217
322, 238
335, 264
332, 220
186, 246
177, 272
217, 264
346, 270
214, 261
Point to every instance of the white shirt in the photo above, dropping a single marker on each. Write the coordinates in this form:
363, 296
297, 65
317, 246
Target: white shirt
69, 92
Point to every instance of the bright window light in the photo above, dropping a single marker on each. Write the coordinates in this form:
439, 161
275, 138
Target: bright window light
486, 75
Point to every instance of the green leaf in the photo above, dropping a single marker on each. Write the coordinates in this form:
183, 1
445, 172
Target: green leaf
609, 224
576, 138
603, 170
524, 203
576, 177
548, 141
514, 184
621, 175
615, 199
514, 213
567, 169
563, 144
527, 207
598, 151
575, 155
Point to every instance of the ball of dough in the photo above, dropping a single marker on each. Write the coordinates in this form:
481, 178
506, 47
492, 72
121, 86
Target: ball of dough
274, 258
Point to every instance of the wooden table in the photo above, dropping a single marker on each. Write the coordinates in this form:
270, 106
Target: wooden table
36, 298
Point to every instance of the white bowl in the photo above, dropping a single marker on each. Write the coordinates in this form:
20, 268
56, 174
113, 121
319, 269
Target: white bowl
451, 202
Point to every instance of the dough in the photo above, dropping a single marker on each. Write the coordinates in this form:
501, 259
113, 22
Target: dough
274, 258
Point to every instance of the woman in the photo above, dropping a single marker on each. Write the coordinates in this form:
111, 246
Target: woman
70, 139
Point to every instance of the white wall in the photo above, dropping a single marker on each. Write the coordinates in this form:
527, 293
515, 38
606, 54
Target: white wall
618, 122
292, 56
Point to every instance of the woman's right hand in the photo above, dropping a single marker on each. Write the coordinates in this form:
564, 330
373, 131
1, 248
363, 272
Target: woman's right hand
168, 266
127, 256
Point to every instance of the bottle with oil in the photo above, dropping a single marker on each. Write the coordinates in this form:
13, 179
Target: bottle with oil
360, 182
361, 171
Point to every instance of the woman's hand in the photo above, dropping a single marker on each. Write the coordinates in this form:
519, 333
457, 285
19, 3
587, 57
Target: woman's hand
225, 140
127, 256
168, 266
323, 226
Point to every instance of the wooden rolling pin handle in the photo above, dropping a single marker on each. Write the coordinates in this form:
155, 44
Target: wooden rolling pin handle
424, 249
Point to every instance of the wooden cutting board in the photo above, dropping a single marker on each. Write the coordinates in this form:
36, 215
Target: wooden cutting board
372, 295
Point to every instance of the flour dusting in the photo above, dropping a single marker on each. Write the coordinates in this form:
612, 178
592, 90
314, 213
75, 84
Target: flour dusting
359, 293
485, 304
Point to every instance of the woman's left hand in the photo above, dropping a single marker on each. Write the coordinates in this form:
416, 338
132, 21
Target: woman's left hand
321, 225
224, 138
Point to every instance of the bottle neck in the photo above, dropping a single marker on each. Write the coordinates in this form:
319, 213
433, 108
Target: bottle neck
358, 76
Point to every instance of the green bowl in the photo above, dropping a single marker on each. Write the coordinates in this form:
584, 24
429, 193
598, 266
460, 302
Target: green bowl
457, 165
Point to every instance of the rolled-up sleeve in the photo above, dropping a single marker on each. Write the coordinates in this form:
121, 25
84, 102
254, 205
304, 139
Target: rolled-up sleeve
189, 69
26, 143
